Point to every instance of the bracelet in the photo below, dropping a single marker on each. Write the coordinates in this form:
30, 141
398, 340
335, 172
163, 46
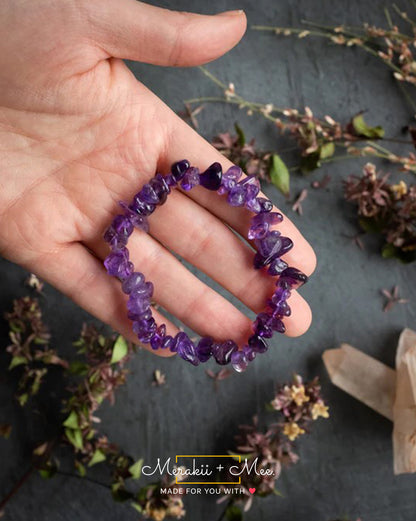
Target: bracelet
270, 246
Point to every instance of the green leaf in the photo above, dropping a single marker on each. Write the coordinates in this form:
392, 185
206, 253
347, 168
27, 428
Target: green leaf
389, 251
120, 350
327, 150
233, 513
72, 421
136, 506
136, 469
240, 134
46, 473
97, 457
79, 368
48, 470
279, 174
40, 341
15, 327
17, 360
22, 399
310, 162
362, 129
75, 437
82, 471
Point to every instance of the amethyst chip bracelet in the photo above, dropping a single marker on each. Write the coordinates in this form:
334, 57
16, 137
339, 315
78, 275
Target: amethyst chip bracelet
270, 245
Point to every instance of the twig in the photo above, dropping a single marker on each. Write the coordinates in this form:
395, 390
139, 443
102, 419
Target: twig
17, 487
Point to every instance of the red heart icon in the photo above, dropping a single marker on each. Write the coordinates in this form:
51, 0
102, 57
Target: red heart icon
251, 490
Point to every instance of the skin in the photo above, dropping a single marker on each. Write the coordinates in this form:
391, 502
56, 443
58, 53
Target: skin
78, 133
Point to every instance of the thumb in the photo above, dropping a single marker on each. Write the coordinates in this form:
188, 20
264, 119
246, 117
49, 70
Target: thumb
136, 31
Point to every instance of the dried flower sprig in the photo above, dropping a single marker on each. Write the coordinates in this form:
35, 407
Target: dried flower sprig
298, 404
29, 348
243, 153
154, 504
392, 298
387, 209
390, 45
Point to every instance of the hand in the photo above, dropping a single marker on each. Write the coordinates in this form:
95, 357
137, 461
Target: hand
78, 133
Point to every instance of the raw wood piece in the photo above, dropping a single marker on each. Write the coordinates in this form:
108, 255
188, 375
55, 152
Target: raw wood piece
404, 410
363, 377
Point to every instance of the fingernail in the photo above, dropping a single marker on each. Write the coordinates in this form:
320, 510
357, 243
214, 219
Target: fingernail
237, 12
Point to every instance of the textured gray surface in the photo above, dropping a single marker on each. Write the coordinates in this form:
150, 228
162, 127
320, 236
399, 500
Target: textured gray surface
346, 465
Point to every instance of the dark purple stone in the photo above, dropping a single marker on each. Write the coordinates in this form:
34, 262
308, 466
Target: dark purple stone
284, 284
251, 192
122, 225
204, 348
250, 180
186, 348
277, 266
239, 361
137, 305
132, 282
117, 262
211, 178
144, 329
294, 277
265, 204
190, 179
258, 344
230, 179
270, 245
222, 351
277, 325
137, 220
261, 223
237, 196
167, 342
249, 353
178, 169
281, 309
142, 291
114, 240
141, 207
148, 195
146, 315
280, 294
158, 336
160, 187
170, 180
262, 325
258, 261
253, 205
287, 245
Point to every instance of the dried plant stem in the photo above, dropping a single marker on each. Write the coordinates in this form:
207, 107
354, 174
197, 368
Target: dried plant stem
328, 33
17, 487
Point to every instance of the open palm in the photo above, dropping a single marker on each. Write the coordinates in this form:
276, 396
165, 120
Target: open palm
78, 133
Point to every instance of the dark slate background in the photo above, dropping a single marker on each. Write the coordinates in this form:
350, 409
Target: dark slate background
346, 464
